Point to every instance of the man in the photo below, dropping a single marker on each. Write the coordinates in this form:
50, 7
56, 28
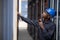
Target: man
46, 28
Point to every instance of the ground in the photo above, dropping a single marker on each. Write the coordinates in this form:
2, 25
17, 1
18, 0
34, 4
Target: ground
23, 33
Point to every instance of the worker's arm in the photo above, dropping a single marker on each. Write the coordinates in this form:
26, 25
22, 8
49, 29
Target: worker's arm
27, 20
48, 34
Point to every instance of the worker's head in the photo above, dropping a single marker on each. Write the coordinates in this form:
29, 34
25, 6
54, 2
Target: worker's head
48, 13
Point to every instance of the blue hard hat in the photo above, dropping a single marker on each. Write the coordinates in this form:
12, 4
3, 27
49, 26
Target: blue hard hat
51, 12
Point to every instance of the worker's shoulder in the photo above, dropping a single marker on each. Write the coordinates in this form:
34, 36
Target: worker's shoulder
53, 24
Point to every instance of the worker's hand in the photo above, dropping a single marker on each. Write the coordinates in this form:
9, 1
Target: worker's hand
41, 24
18, 14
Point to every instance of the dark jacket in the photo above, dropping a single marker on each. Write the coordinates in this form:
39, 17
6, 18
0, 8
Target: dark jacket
46, 34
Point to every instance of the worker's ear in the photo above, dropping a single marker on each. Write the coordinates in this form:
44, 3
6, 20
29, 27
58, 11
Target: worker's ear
48, 16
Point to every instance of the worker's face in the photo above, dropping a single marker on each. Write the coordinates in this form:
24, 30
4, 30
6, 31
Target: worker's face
44, 15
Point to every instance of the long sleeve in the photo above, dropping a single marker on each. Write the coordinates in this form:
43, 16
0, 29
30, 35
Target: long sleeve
27, 20
48, 34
